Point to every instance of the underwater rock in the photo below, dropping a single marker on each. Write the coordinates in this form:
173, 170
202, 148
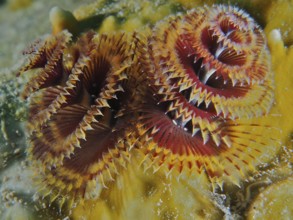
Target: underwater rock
274, 202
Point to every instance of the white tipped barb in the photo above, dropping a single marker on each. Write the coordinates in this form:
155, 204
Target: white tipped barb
219, 51
208, 75
195, 130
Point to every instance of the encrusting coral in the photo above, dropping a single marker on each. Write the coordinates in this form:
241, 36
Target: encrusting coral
270, 203
185, 94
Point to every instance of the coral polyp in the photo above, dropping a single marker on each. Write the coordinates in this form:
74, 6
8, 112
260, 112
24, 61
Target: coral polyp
209, 74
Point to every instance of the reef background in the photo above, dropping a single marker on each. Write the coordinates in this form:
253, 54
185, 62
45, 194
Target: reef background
23, 21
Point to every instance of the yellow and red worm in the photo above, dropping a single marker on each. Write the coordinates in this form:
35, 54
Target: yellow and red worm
184, 95
208, 72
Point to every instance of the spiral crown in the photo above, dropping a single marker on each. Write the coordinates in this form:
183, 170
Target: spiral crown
187, 95
210, 78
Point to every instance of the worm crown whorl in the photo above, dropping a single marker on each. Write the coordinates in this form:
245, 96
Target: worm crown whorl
232, 42
78, 120
184, 93
86, 88
207, 70
214, 62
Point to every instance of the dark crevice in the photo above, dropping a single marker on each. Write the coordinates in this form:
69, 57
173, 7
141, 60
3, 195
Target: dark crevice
197, 68
115, 107
94, 80
213, 81
178, 122
209, 40
227, 26
228, 56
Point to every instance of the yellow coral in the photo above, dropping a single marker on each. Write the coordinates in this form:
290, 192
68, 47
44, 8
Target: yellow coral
282, 66
109, 24
273, 203
19, 4
279, 16
139, 194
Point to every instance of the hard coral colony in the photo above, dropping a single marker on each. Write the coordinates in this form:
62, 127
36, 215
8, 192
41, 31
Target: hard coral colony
185, 95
